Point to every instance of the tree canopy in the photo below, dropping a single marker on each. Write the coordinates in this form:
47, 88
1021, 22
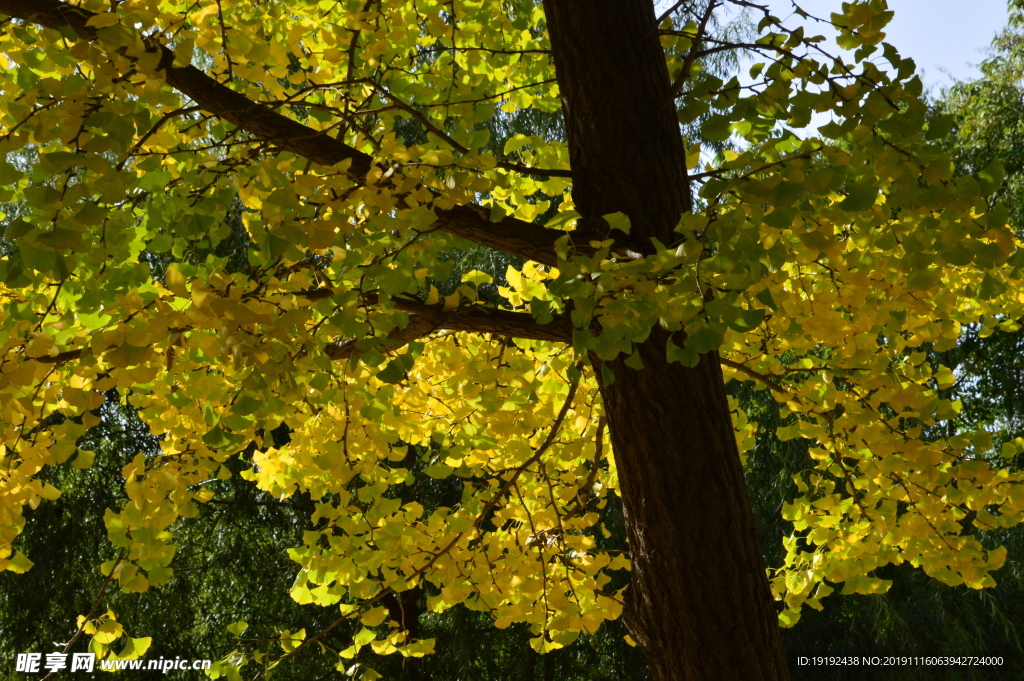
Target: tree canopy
312, 346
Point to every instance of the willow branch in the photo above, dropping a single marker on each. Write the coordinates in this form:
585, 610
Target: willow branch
698, 38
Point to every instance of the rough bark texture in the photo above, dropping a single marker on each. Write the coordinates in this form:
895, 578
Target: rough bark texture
699, 601
625, 148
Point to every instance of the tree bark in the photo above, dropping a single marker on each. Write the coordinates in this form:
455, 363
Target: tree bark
699, 601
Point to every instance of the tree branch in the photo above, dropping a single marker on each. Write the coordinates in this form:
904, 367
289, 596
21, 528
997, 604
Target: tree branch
483, 319
667, 13
425, 319
92, 611
60, 357
743, 368
469, 222
698, 38
510, 235
454, 144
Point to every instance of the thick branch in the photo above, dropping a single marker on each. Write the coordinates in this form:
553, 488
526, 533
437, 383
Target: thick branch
425, 319
469, 222
490, 320
416, 328
743, 368
217, 99
510, 235
60, 357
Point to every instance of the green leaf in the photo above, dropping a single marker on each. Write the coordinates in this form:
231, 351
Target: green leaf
716, 128
541, 311
515, 143
372, 359
748, 320
788, 618
394, 372
861, 197
780, 218
991, 177
160, 244
17, 229
218, 437
155, 180
134, 648
704, 339
618, 221
561, 219
9, 175
765, 297
990, 287
438, 471
246, 405
940, 126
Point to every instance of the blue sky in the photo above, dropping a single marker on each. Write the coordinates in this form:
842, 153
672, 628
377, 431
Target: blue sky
943, 36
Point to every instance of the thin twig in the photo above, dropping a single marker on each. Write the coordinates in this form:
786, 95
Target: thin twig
92, 612
481, 517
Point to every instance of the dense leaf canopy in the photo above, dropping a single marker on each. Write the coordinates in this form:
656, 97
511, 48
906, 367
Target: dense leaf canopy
352, 141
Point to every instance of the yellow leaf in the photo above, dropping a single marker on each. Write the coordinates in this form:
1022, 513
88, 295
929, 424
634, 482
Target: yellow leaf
102, 20
374, 616
18, 564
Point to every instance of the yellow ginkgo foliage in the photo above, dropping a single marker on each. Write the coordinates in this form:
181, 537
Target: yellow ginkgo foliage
354, 138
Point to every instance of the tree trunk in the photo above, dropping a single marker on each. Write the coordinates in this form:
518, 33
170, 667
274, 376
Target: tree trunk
699, 601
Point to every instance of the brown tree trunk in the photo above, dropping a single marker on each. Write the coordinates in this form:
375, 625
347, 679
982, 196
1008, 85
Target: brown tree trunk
699, 601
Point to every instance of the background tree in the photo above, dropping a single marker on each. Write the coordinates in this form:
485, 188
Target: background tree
814, 265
